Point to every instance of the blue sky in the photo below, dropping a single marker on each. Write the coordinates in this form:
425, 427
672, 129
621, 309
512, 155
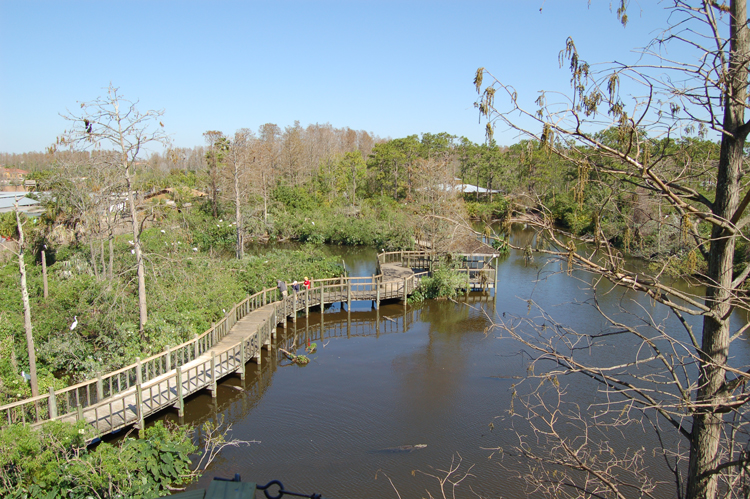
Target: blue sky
392, 68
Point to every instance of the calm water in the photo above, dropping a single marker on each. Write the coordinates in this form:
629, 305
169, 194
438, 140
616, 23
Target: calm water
432, 374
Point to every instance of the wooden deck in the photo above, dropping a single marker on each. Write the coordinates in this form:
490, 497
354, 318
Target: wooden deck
125, 397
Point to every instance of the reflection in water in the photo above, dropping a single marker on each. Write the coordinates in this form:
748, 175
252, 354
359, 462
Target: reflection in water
431, 374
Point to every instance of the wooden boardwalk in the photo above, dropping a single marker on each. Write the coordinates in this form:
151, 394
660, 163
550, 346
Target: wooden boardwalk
127, 396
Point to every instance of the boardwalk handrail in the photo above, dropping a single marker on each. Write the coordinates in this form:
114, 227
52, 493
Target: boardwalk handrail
76, 401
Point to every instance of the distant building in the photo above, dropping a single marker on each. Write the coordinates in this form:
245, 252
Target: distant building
25, 204
8, 175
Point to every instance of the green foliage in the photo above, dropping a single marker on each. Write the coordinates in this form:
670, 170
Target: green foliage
487, 212
380, 222
8, 226
295, 198
53, 461
444, 282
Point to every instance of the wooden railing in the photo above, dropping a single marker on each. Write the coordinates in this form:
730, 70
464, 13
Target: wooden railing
129, 394
70, 401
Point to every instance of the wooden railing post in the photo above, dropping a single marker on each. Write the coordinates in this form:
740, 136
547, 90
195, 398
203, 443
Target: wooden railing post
264, 297
307, 302
138, 375
180, 399
139, 406
242, 359
213, 375
52, 403
99, 388
348, 295
168, 349
377, 292
294, 307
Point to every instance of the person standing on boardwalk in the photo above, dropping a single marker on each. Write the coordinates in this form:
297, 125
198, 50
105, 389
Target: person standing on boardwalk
295, 287
307, 283
282, 287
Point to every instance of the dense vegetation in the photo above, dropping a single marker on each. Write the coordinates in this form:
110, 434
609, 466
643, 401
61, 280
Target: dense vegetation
362, 191
55, 462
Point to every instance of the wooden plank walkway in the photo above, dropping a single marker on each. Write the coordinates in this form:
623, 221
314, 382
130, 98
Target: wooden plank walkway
127, 396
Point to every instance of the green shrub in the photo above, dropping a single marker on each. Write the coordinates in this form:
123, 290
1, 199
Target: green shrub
54, 462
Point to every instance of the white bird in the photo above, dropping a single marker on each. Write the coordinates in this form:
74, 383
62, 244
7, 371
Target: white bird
132, 251
223, 310
131, 243
75, 323
25, 376
195, 249
163, 231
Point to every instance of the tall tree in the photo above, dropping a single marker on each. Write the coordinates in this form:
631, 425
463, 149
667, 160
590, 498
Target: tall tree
116, 127
217, 149
699, 391
239, 158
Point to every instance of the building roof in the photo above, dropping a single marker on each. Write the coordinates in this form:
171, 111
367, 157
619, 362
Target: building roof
7, 200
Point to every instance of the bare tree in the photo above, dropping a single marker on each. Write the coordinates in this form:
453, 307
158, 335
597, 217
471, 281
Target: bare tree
217, 149
269, 137
239, 158
26, 304
114, 126
700, 394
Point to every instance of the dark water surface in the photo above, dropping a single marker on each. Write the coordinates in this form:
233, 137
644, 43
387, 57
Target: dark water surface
431, 374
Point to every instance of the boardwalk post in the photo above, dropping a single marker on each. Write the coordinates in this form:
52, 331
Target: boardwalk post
496, 265
138, 375
307, 302
99, 388
264, 297
180, 400
377, 292
52, 404
406, 291
468, 281
242, 359
213, 375
168, 349
349, 295
294, 308
139, 407
195, 344
285, 312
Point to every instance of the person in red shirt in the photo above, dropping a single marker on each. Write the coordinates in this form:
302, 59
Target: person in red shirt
307, 283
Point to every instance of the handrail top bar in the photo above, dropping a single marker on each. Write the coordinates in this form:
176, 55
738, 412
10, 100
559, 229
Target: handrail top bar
325, 283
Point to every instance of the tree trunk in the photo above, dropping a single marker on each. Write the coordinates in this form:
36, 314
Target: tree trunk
141, 270
26, 307
238, 218
707, 423
111, 254
93, 259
